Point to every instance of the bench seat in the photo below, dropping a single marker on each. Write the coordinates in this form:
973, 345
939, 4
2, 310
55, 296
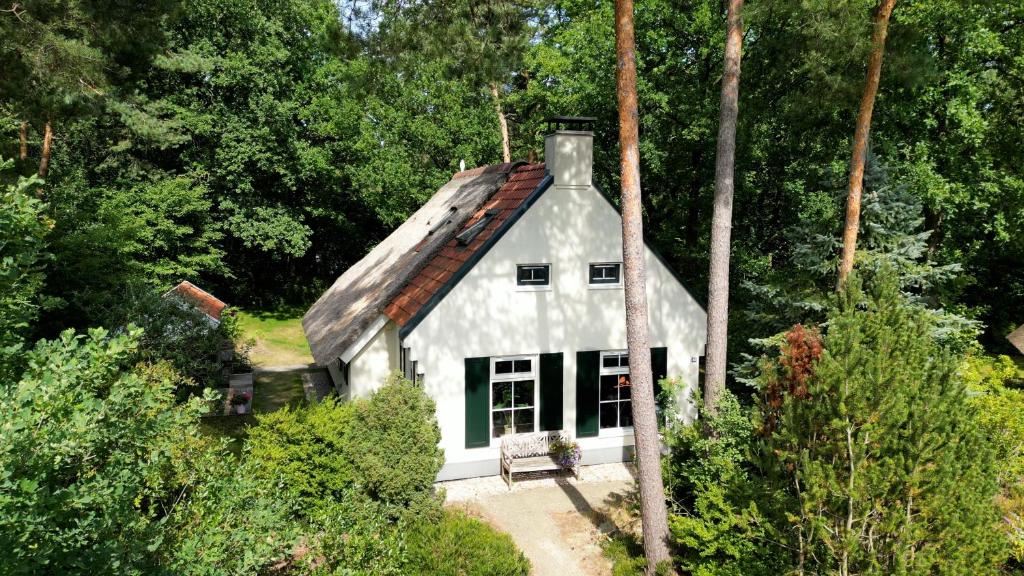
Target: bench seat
530, 453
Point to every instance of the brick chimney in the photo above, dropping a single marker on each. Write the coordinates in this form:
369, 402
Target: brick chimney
569, 150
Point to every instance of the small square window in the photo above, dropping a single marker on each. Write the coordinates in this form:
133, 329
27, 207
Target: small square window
606, 274
533, 275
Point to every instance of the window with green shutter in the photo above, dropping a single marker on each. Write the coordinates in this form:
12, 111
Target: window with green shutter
478, 372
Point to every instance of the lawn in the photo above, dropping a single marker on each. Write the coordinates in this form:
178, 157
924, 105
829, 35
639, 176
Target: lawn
278, 339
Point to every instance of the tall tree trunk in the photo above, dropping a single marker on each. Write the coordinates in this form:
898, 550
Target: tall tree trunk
506, 154
44, 161
645, 425
23, 135
721, 220
880, 21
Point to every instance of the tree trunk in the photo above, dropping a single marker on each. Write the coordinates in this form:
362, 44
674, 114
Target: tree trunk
506, 154
653, 513
880, 21
23, 134
721, 220
44, 161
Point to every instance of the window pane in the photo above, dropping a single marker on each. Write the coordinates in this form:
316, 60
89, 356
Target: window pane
501, 423
533, 275
610, 361
604, 273
522, 366
524, 420
609, 385
609, 414
503, 367
624, 360
625, 389
524, 393
501, 395
625, 414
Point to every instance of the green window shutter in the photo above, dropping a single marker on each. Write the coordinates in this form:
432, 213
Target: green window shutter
587, 368
659, 370
478, 394
551, 391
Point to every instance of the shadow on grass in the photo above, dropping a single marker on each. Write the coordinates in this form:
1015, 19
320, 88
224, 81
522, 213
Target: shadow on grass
283, 312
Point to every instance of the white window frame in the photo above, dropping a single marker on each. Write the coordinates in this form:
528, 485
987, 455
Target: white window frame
533, 374
593, 286
533, 287
618, 371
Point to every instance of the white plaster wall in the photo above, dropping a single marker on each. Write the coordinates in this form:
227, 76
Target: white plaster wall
486, 315
370, 367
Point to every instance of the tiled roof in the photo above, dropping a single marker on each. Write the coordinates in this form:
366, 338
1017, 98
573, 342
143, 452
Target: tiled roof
206, 303
453, 256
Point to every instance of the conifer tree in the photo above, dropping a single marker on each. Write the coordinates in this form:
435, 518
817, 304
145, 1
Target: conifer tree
868, 434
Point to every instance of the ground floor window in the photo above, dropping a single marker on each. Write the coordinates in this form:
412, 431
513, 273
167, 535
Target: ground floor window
513, 395
615, 390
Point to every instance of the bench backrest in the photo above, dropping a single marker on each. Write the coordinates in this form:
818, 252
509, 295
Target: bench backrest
531, 444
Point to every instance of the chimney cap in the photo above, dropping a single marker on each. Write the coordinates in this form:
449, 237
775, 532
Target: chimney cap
577, 123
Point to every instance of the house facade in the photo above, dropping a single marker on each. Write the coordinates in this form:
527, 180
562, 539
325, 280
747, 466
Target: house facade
509, 311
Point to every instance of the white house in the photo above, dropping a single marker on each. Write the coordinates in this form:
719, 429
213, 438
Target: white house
503, 297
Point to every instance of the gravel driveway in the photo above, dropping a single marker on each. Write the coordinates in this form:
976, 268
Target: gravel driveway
558, 522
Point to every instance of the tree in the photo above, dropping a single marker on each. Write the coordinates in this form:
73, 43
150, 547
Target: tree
880, 21
23, 252
645, 424
865, 433
721, 220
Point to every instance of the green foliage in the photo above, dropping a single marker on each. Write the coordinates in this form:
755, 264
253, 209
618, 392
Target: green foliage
305, 447
994, 390
23, 230
868, 442
458, 545
86, 447
718, 524
394, 447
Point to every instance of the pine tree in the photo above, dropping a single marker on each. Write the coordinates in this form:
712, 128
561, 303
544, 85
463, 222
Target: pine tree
868, 433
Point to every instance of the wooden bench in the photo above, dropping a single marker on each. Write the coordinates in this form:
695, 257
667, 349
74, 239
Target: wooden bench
531, 453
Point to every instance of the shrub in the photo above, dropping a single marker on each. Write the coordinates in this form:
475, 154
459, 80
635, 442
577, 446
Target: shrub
306, 448
462, 546
717, 522
394, 448
87, 447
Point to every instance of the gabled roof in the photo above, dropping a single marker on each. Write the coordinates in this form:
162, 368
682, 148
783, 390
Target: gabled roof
458, 255
1017, 338
201, 299
358, 298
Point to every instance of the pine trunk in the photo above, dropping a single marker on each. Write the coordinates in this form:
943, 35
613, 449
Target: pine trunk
654, 515
44, 161
855, 187
721, 220
506, 153
23, 144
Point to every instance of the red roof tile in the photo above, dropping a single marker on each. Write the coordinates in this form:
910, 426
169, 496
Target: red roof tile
453, 257
206, 303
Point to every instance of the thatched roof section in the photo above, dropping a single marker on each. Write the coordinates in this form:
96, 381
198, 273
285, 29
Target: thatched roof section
1017, 338
359, 296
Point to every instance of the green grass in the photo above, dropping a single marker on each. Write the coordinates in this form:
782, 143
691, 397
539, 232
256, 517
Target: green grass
277, 335
275, 390
271, 391
626, 555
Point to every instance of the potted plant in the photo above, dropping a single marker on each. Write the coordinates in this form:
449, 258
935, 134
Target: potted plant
240, 401
566, 452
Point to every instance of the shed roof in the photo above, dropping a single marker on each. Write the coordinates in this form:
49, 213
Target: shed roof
204, 301
360, 295
1017, 338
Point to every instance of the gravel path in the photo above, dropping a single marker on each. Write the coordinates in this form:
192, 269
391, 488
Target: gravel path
558, 523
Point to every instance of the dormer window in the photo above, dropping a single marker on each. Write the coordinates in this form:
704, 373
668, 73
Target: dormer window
533, 275
606, 275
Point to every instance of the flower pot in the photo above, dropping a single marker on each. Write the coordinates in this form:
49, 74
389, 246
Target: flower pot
240, 409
